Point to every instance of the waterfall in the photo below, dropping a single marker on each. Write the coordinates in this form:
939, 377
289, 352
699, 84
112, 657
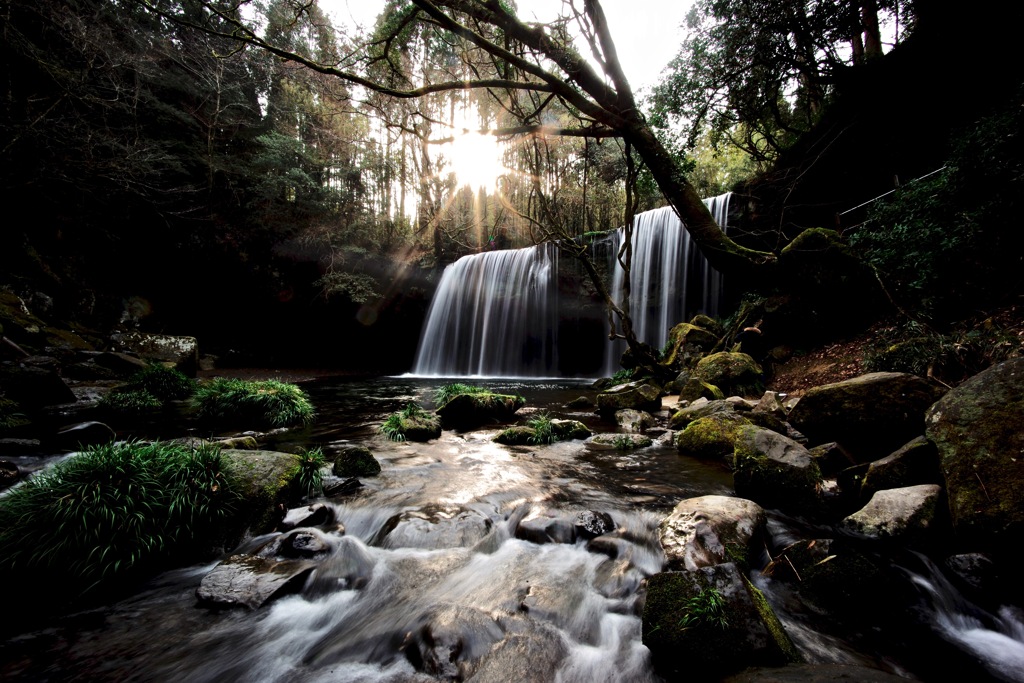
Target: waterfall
670, 280
495, 314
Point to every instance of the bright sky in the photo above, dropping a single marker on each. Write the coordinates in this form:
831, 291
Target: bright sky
647, 33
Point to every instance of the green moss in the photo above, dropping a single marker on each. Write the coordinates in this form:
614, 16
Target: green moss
772, 623
710, 437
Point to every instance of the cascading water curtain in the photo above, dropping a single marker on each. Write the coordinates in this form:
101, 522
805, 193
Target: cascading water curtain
670, 280
495, 314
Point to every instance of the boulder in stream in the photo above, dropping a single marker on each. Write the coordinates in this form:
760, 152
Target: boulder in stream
710, 530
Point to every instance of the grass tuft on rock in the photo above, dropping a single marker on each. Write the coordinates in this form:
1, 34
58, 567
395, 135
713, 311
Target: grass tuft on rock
267, 403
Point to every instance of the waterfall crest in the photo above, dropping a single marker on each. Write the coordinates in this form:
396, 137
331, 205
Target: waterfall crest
495, 314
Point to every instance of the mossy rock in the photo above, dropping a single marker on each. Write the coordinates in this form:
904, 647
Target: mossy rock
636, 395
518, 435
470, 411
266, 483
689, 338
735, 374
355, 461
621, 441
977, 430
422, 427
684, 645
712, 437
776, 472
694, 389
708, 323
684, 416
567, 430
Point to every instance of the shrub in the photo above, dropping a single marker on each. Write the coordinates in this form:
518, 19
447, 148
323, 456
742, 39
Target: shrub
111, 511
266, 403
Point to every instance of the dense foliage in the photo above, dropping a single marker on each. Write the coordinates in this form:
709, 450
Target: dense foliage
941, 246
111, 511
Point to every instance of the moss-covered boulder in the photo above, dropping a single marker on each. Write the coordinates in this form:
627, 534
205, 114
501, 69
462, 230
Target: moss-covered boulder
870, 416
684, 416
421, 427
266, 484
707, 623
712, 437
355, 461
694, 389
621, 441
518, 435
473, 410
776, 472
635, 395
566, 430
710, 530
685, 341
708, 323
977, 428
735, 374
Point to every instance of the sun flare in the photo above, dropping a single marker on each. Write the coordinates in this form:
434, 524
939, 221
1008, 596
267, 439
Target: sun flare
475, 160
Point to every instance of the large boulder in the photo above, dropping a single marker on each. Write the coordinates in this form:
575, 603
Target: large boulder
916, 462
470, 411
735, 374
266, 484
777, 472
634, 395
870, 416
181, 353
977, 428
692, 639
710, 530
686, 340
712, 437
907, 514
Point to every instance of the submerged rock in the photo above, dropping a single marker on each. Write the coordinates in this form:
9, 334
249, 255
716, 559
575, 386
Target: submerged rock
355, 461
251, 581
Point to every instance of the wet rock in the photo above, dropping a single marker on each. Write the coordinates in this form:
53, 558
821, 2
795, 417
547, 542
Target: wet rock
251, 581
546, 527
906, 514
525, 657
621, 441
421, 428
974, 571
798, 559
355, 461
300, 543
19, 446
580, 403
450, 640
244, 443
977, 430
633, 421
470, 411
710, 530
317, 514
435, 527
591, 523
517, 435
776, 472
870, 415
340, 488
349, 567
265, 482
83, 435
635, 395
735, 374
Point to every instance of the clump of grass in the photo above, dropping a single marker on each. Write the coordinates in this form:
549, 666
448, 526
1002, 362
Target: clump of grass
543, 429
447, 392
166, 383
311, 476
111, 511
622, 376
395, 425
707, 608
130, 402
268, 403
